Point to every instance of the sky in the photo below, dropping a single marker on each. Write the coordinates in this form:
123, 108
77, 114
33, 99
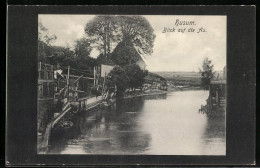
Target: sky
172, 51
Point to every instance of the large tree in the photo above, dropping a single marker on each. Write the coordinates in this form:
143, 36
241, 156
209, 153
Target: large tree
82, 48
82, 53
105, 31
138, 30
102, 31
207, 73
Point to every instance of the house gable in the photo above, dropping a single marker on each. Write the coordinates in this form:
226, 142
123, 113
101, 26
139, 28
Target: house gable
127, 48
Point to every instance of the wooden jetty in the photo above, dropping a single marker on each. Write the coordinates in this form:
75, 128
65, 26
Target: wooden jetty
69, 109
216, 102
69, 100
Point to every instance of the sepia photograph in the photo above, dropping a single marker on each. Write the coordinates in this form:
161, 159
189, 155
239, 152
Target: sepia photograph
131, 84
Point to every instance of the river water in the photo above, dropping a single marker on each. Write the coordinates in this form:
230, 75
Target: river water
155, 125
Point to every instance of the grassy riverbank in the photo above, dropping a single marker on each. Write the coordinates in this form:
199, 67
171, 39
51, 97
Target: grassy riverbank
157, 91
172, 89
142, 93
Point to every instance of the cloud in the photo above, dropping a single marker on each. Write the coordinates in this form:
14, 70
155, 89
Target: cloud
186, 51
67, 28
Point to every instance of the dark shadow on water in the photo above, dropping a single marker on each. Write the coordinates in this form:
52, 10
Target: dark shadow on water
136, 103
105, 131
129, 105
215, 127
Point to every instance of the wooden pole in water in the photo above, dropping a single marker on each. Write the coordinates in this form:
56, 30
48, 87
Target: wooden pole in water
40, 68
103, 88
94, 75
97, 75
68, 75
45, 72
40, 65
68, 82
58, 80
52, 72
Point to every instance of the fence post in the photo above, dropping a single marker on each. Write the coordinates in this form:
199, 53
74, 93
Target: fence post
52, 72
40, 65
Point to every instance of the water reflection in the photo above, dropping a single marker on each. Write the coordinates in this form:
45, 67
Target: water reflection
157, 125
214, 136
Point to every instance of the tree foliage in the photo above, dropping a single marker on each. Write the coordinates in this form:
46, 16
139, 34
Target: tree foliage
44, 36
136, 77
44, 42
65, 56
130, 76
105, 31
207, 73
138, 30
119, 78
61, 55
82, 48
82, 53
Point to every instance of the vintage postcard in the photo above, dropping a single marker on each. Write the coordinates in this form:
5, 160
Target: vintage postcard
154, 85
132, 84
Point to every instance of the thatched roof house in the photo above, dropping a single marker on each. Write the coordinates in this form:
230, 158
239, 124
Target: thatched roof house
125, 53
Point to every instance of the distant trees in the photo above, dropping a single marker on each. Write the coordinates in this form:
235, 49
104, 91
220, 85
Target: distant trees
79, 57
44, 42
207, 73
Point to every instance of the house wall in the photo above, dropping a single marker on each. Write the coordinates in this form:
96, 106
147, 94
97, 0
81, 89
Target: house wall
105, 69
141, 64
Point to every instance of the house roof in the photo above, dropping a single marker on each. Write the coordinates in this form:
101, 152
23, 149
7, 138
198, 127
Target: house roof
126, 44
121, 46
107, 61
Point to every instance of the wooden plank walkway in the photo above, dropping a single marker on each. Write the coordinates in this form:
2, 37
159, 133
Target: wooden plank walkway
90, 103
44, 144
